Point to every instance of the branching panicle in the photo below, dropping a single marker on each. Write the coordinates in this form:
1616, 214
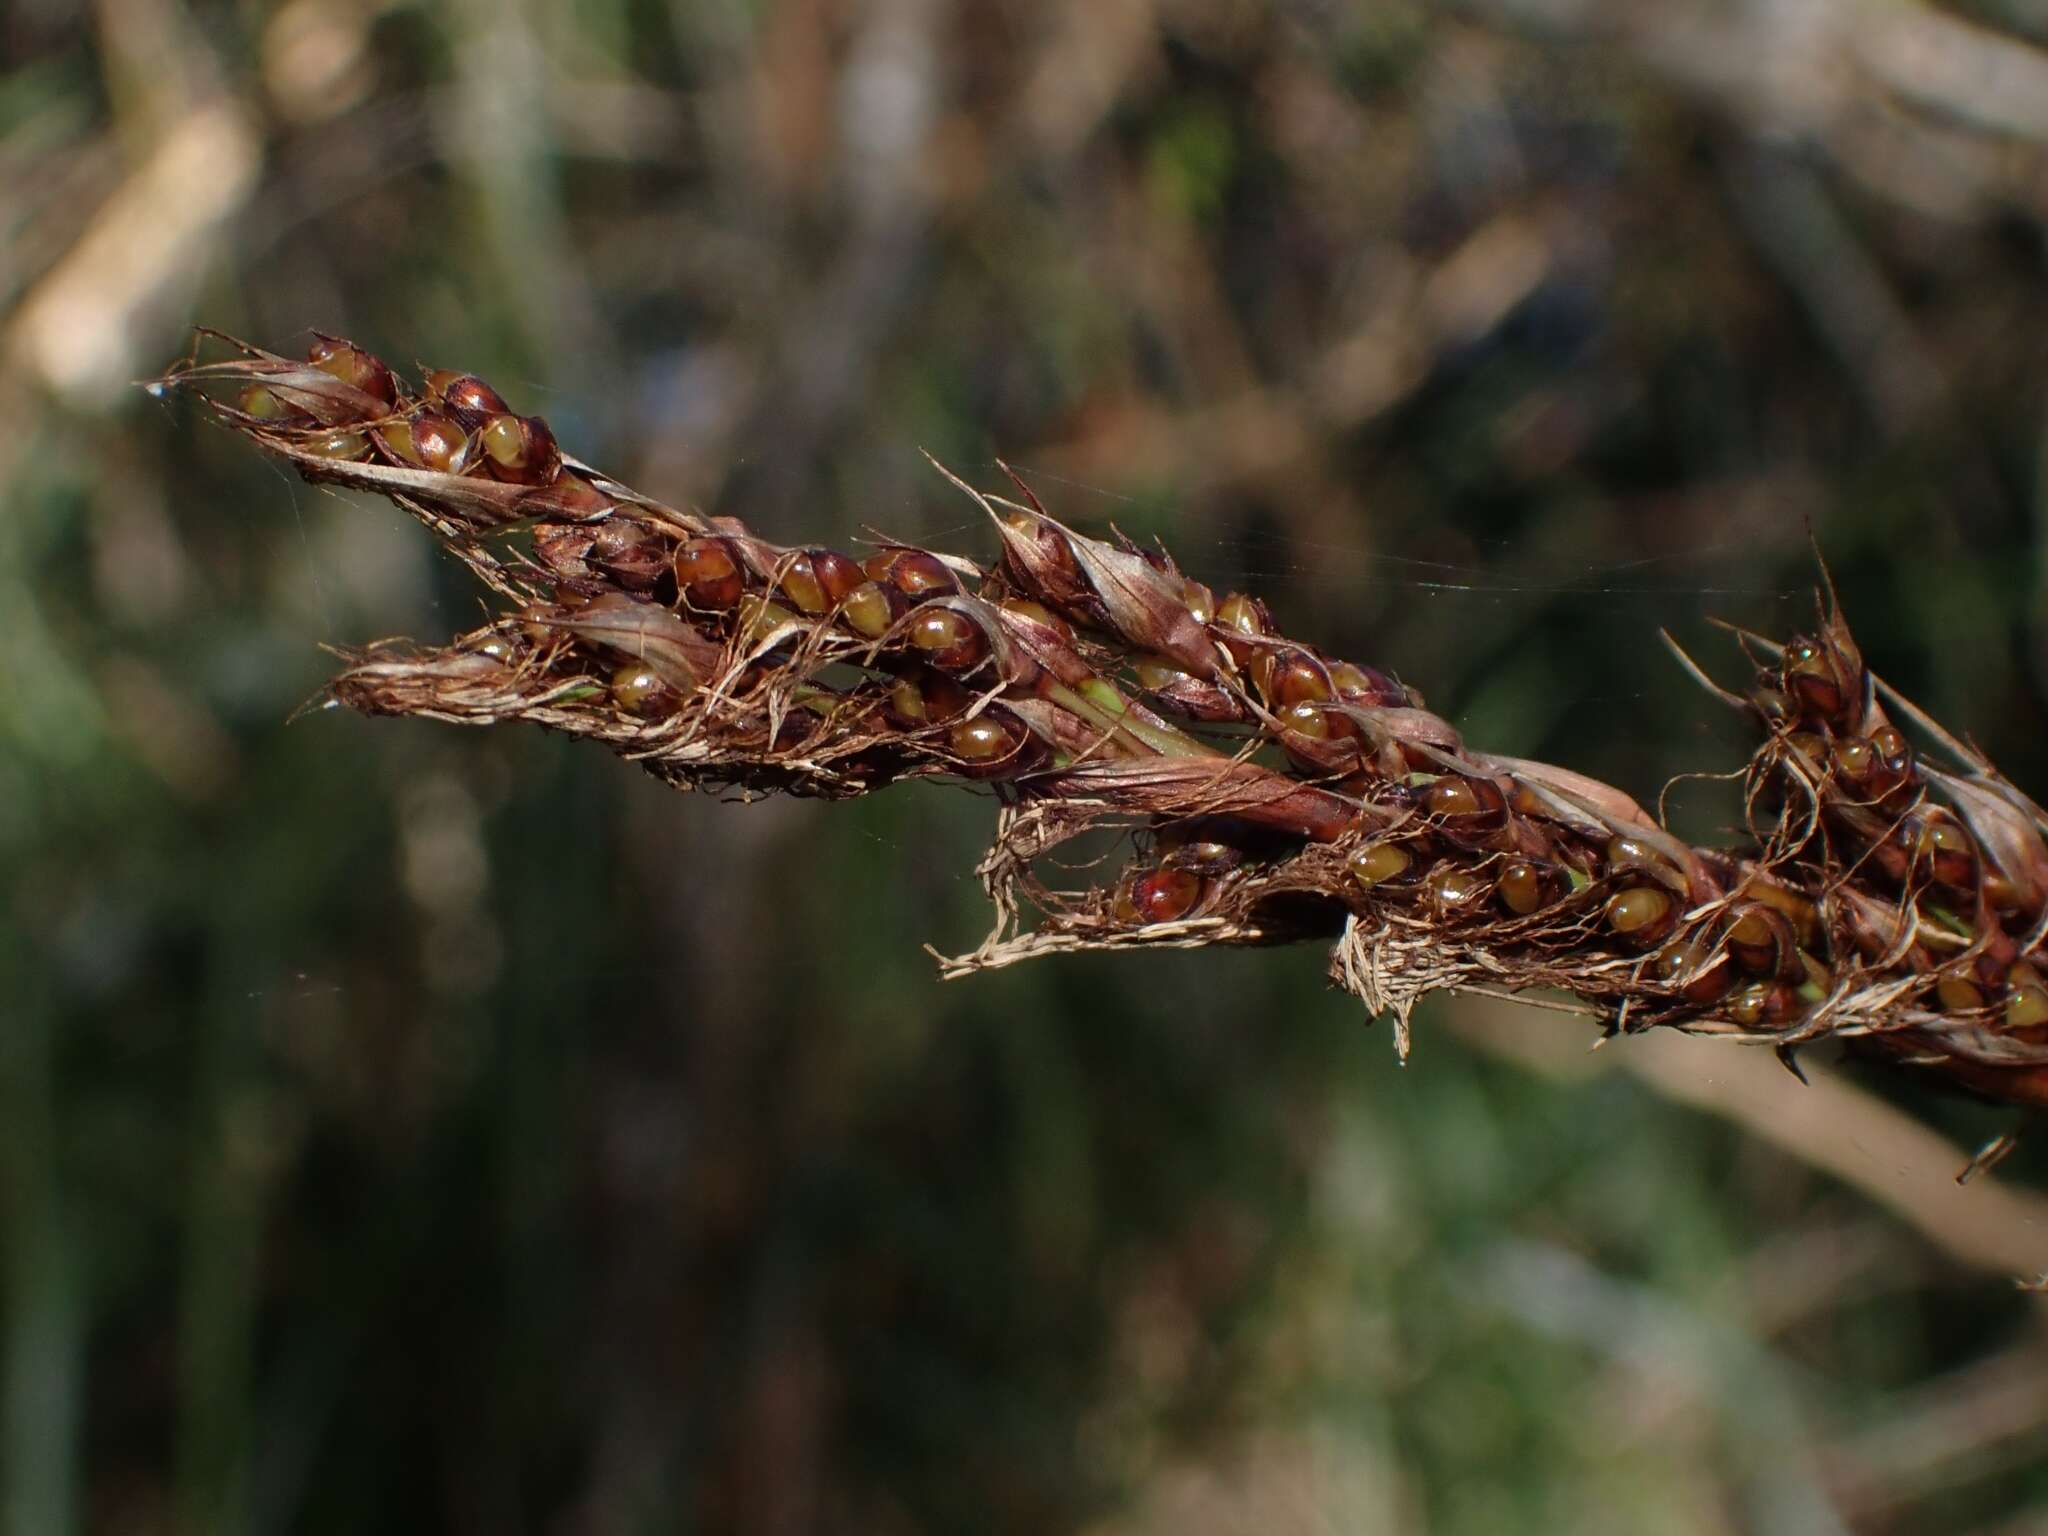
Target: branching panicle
1886, 900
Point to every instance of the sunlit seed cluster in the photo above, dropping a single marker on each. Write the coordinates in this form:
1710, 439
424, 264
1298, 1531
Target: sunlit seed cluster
1269, 790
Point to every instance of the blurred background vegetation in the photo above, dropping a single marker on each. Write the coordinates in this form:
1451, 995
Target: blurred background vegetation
404, 1128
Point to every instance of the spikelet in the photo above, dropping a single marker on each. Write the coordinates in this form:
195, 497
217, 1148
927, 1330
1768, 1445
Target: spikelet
1271, 792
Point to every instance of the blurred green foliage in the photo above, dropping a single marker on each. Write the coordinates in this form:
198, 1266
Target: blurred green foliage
408, 1128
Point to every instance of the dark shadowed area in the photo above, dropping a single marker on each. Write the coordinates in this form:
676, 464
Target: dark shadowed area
410, 1128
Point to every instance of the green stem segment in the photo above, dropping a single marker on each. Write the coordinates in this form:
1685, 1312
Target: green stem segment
1098, 702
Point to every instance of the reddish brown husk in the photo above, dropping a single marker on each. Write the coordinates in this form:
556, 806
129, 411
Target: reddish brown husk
1889, 901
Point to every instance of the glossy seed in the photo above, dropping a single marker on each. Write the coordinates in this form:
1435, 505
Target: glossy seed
907, 705
430, 440
1761, 941
263, 404
1450, 796
708, 574
1810, 677
1958, 994
950, 641
534, 624
520, 449
337, 445
1679, 958
1894, 753
1350, 679
1166, 895
838, 574
762, 621
930, 698
1242, 614
1805, 916
2026, 1006
1238, 617
352, 365
981, 740
497, 647
1763, 1002
465, 397
1641, 913
1946, 849
1201, 602
1206, 857
800, 584
1156, 672
919, 574
1298, 678
1039, 614
867, 610
1470, 800
1365, 684
1308, 720
1378, 862
639, 690
1454, 890
913, 572
1625, 852
1701, 974
1524, 886
1747, 1006
503, 440
1750, 934
1854, 758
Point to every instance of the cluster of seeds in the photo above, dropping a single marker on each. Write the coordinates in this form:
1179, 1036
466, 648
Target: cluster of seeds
1272, 791
460, 425
1949, 875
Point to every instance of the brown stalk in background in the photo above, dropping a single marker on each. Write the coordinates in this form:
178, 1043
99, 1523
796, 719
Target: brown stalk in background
1267, 792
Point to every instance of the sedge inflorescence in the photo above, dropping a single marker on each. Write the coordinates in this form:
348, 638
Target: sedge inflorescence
1271, 792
